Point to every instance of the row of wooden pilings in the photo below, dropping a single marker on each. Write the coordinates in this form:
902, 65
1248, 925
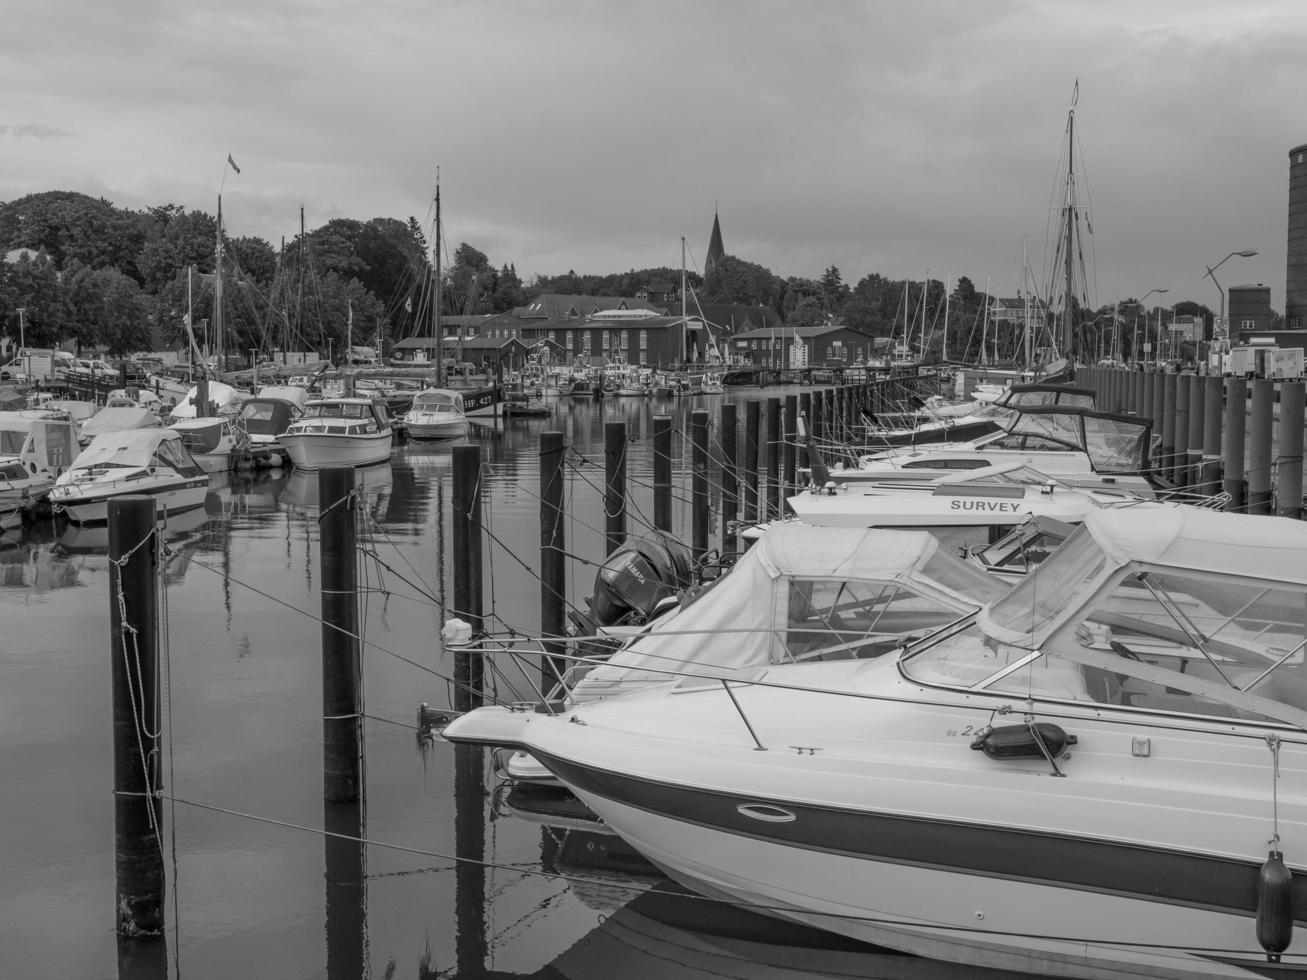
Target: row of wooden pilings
758, 467
1215, 434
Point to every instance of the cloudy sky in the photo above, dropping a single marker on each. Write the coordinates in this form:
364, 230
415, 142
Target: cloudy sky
879, 136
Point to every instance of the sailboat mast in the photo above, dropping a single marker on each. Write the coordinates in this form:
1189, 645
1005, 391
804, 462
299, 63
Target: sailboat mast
943, 355
217, 292
684, 324
1025, 291
435, 294
1068, 218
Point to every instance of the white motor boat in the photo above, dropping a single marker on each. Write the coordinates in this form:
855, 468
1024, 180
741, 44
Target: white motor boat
437, 413
266, 416
1101, 774
130, 461
1077, 445
799, 594
218, 443
339, 432
995, 497
35, 447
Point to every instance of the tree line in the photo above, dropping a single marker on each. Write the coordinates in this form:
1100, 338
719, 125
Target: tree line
122, 281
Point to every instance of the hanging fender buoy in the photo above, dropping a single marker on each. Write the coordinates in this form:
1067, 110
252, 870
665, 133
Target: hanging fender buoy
1274, 906
1023, 741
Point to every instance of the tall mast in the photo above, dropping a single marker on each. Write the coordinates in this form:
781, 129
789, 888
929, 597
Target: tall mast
435, 294
1068, 217
943, 353
685, 326
217, 292
1025, 291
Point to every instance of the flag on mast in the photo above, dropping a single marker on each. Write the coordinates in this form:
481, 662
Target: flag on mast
233, 163
408, 305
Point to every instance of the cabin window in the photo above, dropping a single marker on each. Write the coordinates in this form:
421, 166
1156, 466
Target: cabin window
831, 619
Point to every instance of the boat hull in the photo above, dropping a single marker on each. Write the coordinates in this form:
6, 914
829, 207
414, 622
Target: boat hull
443, 429
315, 450
91, 505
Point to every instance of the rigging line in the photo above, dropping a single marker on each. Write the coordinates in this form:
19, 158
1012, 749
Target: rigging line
318, 619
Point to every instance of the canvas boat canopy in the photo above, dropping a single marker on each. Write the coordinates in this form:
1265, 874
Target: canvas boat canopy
118, 418
136, 448
804, 593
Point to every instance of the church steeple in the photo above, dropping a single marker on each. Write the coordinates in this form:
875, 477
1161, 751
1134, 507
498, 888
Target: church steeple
716, 250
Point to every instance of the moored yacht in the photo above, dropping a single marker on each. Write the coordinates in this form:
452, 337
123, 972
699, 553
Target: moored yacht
131, 461
339, 432
1100, 774
437, 413
35, 447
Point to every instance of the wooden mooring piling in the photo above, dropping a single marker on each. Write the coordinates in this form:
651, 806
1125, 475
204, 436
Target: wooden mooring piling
1216, 434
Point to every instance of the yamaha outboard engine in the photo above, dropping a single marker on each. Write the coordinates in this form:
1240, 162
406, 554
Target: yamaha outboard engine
635, 581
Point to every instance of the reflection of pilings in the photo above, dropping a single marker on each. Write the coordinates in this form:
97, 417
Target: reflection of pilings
346, 900
134, 624
469, 848
341, 665
468, 577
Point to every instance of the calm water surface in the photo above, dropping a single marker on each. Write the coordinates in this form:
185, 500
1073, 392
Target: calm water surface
254, 890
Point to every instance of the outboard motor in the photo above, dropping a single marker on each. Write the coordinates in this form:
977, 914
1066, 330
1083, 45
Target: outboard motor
635, 581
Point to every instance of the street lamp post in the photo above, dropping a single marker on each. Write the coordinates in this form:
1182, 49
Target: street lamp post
1246, 253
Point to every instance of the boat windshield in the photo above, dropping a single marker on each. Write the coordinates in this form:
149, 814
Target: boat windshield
436, 403
1134, 637
338, 410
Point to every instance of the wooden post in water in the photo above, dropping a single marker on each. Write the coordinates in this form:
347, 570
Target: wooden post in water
1180, 464
752, 423
553, 557
1194, 455
1234, 481
1288, 478
775, 493
662, 472
134, 630
1210, 474
341, 661
1259, 447
1168, 426
614, 485
468, 575
727, 436
790, 474
1159, 401
699, 483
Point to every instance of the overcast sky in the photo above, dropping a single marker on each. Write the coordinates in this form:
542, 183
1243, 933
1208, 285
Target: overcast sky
892, 137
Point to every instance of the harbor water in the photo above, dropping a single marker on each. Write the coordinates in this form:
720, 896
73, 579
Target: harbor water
452, 881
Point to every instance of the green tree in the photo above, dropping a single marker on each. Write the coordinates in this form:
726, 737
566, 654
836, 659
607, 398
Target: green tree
834, 293
734, 280
33, 284
108, 309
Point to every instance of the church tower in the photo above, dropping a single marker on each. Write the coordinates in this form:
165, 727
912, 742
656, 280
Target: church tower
716, 251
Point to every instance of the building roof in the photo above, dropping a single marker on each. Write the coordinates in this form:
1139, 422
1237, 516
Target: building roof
805, 333
557, 306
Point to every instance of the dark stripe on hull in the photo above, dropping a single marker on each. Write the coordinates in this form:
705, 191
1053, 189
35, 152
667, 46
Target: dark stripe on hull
1058, 860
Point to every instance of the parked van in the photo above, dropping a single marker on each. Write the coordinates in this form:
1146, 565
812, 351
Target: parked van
33, 364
